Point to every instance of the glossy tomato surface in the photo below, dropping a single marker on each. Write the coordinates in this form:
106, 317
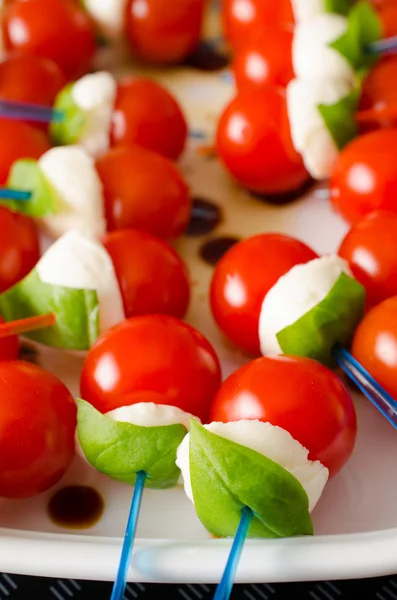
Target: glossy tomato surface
19, 247
388, 15
364, 178
370, 247
254, 143
153, 278
301, 396
9, 346
143, 190
242, 279
265, 58
241, 17
56, 29
19, 140
164, 32
37, 429
147, 114
154, 353
378, 103
375, 344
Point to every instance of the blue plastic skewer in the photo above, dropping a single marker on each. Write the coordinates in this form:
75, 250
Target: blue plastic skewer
383, 46
225, 586
383, 401
25, 111
121, 579
8, 194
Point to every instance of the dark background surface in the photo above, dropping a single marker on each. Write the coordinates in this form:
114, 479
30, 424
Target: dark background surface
18, 587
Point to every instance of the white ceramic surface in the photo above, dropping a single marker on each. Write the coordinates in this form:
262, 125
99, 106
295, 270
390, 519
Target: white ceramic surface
355, 520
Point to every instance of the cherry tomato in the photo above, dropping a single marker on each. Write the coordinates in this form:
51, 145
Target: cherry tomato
145, 113
378, 104
19, 247
240, 17
254, 142
387, 12
265, 58
19, 140
9, 346
370, 247
153, 278
56, 29
298, 394
162, 32
375, 344
153, 353
29, 78
143, 190
242, 279
364, 178
37, 429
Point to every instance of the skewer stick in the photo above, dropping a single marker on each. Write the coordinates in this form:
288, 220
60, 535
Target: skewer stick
26, 325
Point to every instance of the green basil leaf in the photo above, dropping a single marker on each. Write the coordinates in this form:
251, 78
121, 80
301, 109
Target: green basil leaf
364, 27
331, 321
68, 130
76, 311
26, 175
120, 450
340, 118
341, 7
226, 476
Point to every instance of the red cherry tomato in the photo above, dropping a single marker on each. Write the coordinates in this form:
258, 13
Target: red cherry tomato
9, 346
370, 247
145, 113
254, 142
364, 178
240, 17
265, 58
143, 190
153, 353
19, 247
375, 344
19, 140
56, 29
152, 277
301, 396
378, 104
37, 429
387, 12
242, 279
162, 32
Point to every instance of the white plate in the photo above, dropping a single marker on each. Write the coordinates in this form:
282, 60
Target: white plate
355, 520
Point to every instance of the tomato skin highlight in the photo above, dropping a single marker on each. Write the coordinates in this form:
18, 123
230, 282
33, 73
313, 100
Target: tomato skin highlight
37, 429
298, 394
147, 114
153, 279
242, 279
375, 344
364, 178
254, 142
143, 190
19, 140
66, 34
19, 247
164, 33
241, 17
370, 247
264, 59
152, 353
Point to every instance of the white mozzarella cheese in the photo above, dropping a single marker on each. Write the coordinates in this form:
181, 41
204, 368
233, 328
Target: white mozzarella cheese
149, 414
71, 173
304, 10
294, 294
273, 442
109, 16
77, 261
95, 94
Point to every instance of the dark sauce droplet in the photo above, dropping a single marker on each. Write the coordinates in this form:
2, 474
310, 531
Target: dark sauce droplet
205, 217
213, 250
287, 197
76, 507
207, 58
